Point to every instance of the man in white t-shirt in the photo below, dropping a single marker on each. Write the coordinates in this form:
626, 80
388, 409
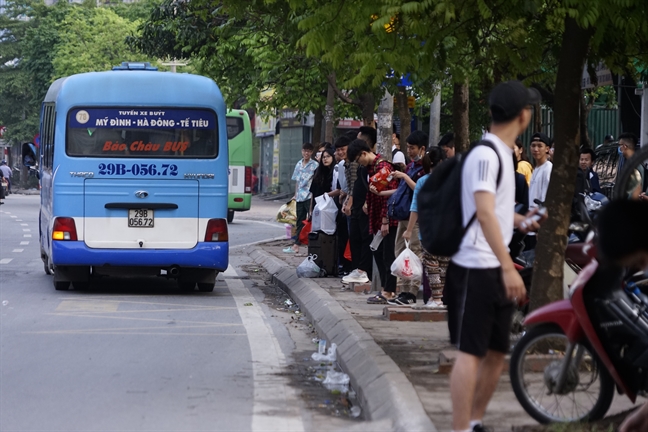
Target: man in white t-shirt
482, 283
540, 148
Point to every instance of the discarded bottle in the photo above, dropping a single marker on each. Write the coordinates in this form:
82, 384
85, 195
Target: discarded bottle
321, 347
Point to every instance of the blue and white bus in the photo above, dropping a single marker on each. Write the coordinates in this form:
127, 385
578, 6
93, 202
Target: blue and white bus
133, 170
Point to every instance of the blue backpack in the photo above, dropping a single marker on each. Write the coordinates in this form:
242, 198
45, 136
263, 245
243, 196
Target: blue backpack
398, 205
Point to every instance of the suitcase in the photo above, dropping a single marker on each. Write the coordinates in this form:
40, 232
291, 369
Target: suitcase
325, 247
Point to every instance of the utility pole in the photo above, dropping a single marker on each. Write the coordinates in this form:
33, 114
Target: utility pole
643, 136
329, 111
435, 117
385, 116
173, 63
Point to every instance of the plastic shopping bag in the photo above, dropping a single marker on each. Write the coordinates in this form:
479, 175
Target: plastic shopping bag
308, 268
381, 179
407, 265
303, 235
288, 213
324, 215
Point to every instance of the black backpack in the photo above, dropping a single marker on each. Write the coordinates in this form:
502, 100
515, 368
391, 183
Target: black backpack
439, 205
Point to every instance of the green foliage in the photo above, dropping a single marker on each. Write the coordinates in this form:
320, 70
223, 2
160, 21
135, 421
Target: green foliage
248, 49
91, 40
40, 43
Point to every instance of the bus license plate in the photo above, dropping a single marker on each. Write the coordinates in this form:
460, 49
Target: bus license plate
140, 218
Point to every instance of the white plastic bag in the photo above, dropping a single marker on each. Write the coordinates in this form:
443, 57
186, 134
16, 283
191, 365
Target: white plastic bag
324, 215
407, 265
308, 268
330, 356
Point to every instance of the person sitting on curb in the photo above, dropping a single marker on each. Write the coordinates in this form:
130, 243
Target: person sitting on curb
379, 222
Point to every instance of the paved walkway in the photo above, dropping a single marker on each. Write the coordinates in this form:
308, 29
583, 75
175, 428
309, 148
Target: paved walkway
416, 347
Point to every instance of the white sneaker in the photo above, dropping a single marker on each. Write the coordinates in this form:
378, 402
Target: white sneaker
432, 304
356, 276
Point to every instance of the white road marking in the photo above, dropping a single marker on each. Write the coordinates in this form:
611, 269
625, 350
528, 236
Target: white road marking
257, 242
24, 224
272, 224
24, 243
17, 250
26, 235
17, 220
26, 230
13, 216
5, 260
276, 405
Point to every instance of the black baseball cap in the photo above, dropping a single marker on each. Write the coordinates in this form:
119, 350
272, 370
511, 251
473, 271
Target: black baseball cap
539, 136
509, 98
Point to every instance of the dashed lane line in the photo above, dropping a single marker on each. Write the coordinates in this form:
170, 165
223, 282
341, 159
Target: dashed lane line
24, 243
5, 260
17, 250
26, 235
24, 224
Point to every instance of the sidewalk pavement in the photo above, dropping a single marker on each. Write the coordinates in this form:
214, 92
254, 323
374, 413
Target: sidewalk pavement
399, 369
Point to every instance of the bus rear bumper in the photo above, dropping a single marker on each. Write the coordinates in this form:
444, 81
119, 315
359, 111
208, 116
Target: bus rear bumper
210, 255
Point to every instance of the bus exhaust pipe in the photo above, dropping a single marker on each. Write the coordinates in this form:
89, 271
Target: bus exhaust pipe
174, 271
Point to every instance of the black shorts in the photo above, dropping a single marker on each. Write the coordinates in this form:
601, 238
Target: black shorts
479, 314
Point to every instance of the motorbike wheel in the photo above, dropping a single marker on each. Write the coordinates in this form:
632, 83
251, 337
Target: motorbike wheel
535, 364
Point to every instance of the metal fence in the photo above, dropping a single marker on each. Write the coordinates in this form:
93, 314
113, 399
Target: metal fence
601, 122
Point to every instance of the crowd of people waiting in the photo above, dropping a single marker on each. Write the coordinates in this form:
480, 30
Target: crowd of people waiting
343, 170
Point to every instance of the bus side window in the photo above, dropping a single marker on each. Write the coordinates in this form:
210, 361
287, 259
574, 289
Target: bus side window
47, 136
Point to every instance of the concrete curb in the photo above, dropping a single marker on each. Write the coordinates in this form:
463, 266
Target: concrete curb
383, 390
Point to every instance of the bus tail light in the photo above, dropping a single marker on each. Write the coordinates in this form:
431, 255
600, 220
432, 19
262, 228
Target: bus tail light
248, 179
216, 231
64, 229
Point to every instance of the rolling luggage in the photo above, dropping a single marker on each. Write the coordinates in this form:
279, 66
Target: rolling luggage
325, 247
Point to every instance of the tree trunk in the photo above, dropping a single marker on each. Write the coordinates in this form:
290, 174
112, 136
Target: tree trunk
552, 238
329, 111
404, 115
368, 107
317, 127
460, 116
385, 117
585, 109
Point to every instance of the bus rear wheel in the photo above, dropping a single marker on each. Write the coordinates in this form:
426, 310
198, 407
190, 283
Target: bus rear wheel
230, 215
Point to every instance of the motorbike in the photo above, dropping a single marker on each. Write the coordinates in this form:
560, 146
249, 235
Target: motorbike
576, 351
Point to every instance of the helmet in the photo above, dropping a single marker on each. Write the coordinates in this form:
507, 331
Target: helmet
4, 162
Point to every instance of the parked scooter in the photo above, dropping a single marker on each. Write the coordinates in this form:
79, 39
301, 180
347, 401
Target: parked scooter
567, 365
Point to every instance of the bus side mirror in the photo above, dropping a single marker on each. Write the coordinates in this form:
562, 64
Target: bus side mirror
29, 154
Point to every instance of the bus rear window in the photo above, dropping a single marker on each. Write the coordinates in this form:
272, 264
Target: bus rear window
234, 126
142, 133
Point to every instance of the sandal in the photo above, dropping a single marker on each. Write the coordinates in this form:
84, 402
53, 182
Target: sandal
289, 250
377, 299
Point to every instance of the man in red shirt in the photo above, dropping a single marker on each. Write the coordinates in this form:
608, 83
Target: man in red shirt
379, 223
